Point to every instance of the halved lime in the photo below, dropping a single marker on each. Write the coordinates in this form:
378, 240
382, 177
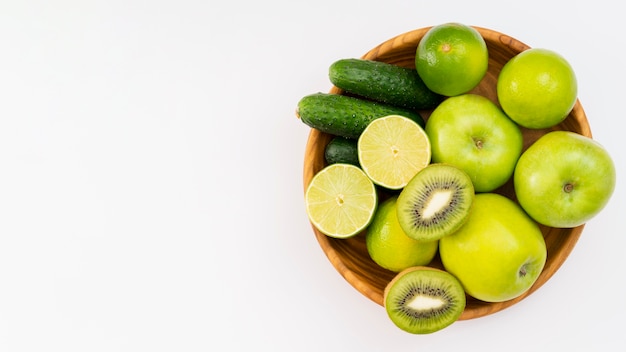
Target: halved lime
341, 200
392, 149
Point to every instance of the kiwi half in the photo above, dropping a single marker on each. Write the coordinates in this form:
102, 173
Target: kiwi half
423, 300
435, 202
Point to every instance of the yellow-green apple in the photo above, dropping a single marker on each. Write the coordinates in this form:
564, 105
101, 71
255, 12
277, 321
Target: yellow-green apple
498, 253
564, 179
472, 133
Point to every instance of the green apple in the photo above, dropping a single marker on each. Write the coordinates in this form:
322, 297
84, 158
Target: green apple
564, 179
499, 252
472, 133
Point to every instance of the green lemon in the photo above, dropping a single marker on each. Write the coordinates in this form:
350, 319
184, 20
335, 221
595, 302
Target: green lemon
452, 58
537, 88
390, 247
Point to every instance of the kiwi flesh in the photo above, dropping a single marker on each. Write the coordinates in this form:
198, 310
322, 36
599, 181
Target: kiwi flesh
423, 300
435, 203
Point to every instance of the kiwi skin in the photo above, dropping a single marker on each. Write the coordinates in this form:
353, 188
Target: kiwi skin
408, 284
436, 177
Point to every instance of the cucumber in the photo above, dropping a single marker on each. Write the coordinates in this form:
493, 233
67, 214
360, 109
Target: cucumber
383, 82
346, 116
342, 150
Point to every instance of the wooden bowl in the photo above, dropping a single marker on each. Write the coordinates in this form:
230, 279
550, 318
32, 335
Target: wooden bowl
350, 257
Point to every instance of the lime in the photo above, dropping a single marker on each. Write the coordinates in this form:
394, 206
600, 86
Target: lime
451, 58
341, 200
392, 149
390, 247
537, 88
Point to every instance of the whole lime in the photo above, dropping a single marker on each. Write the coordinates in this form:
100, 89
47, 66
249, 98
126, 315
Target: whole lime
537, 88
451, 58
390, 247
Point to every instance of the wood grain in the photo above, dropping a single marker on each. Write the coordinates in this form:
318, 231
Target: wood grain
350, 257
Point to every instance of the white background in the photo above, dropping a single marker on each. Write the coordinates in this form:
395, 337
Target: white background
151, 192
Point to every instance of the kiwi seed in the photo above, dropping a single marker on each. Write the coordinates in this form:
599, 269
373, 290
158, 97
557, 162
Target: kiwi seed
435, 202
423, 300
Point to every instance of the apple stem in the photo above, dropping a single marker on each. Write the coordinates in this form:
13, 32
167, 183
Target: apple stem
478, 143
568, 188
522, 271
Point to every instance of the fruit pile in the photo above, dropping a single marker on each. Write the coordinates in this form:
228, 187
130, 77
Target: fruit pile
419, 187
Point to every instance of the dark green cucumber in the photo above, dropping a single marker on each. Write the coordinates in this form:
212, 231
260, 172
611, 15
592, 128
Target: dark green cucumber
346, 116
342, 150
383, 82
